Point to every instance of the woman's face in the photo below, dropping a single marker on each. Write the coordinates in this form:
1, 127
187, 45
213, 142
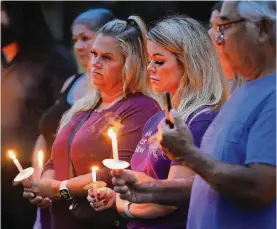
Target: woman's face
165, 72
107, 63
83, 39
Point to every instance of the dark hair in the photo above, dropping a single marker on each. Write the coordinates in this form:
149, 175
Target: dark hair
217, 6
94, 19
27, 25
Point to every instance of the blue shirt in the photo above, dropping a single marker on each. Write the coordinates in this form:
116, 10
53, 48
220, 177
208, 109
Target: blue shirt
243, 132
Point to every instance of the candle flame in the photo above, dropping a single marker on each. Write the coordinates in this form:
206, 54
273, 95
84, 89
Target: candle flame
111, 133
40, 158
94, 168
11, 154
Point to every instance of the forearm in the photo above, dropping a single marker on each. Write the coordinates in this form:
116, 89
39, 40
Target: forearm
150, 211
76, 185
179, 190
48, 174
144, 211
240, 183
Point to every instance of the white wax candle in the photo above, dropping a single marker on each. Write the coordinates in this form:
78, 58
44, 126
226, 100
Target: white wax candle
16, 162
93, 172
112, 135
40, 161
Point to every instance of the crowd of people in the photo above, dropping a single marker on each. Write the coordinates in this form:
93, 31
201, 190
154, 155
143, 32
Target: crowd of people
213, 168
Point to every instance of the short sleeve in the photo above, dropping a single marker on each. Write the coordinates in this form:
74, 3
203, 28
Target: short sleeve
261, 145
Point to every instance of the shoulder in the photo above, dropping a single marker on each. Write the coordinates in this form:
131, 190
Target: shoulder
142, 101
80, 115
205, 116
154, 120
139, 102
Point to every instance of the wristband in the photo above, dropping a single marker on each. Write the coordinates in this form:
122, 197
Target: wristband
127, 209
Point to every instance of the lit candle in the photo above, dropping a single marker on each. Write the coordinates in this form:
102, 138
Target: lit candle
40, 161
16, 162
112, 135
93, 172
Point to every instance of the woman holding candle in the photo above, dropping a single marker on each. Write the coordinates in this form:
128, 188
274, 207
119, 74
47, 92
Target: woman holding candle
183, 62
119, 97
83, 30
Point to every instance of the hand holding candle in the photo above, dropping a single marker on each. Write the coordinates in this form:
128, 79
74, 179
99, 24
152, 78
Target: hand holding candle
94, 184
114, 163
23, 173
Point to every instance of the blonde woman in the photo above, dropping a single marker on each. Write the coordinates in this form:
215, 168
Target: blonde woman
118, 97
185, 63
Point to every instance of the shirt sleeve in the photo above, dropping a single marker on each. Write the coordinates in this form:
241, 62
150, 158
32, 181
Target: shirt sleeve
261, 145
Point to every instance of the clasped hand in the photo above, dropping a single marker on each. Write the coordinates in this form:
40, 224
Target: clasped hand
40, 192
101, 198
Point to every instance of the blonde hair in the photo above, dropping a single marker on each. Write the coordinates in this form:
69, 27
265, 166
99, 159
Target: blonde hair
131, 37
203, 82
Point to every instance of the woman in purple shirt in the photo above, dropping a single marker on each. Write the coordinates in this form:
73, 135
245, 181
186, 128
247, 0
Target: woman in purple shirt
184, 62
118, 97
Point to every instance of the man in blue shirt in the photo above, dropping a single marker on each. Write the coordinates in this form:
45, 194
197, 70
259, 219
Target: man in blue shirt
236, 185
236, 163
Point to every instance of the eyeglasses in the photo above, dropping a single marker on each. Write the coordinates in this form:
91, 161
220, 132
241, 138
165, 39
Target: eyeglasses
221, 29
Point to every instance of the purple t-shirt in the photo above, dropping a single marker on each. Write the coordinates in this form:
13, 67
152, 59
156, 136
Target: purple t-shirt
150, 160
91, 145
